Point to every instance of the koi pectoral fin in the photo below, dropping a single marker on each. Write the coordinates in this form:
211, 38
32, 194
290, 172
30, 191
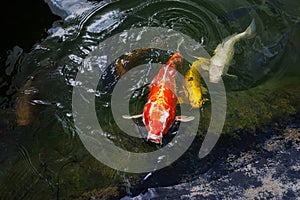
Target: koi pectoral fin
232, 76
132, 117
183, 118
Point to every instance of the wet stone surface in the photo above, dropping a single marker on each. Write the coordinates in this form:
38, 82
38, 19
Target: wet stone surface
269, 172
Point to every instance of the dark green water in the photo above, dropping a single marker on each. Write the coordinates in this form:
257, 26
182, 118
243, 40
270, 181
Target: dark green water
45, 159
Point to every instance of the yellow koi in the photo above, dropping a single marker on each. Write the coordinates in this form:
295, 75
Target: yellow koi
193, 85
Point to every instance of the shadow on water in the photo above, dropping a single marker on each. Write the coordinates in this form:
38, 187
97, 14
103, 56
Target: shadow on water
41, 153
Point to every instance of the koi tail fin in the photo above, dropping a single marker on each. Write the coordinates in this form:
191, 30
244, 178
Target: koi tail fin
251, 30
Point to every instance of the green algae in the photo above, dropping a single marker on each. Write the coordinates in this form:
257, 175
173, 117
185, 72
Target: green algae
270, 103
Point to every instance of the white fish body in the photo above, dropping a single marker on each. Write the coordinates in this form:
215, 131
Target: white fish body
224, 52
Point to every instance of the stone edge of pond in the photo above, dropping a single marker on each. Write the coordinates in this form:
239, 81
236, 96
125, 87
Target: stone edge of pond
271, 171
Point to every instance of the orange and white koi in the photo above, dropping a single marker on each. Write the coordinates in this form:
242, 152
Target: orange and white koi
159, 112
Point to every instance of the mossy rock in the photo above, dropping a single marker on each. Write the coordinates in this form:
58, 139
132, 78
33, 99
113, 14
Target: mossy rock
266, 104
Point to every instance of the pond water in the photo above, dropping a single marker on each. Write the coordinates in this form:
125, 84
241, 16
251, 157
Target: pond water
42, 155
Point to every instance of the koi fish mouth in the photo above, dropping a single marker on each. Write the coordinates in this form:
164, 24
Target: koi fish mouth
154, 138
